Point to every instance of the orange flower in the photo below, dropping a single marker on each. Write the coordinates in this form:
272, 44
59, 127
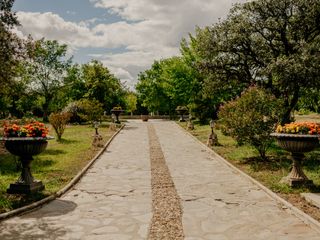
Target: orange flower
35, 129
300, 128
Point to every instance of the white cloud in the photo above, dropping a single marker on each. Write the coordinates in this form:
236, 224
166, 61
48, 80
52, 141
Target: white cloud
150, 29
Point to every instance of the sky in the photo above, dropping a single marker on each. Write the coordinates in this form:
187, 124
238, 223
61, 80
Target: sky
125, 35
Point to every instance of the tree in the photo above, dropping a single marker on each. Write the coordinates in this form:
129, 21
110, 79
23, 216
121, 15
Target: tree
46, 70
151, 90
205, 98
10, 44
102, 86
270, 43
310, 101
131, 102
74, 83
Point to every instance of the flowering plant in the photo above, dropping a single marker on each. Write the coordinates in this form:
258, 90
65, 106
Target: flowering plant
300, 128
34, 129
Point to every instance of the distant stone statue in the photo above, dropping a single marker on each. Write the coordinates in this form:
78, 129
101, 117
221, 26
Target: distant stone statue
97, 138
190, 125
213, 138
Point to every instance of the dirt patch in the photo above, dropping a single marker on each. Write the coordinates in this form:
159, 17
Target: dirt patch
299, 202
166, 222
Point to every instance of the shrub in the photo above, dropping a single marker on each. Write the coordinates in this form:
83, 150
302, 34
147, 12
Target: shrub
90, 110
59, 122
251, 118
74, 109
84, 110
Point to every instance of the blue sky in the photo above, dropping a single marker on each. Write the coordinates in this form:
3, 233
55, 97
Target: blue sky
70, 10
126, 35
74, 11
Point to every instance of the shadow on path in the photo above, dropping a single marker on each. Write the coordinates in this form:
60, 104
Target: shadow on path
34, 226
55, 208
27, 231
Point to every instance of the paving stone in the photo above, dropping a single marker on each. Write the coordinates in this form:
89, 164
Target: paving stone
313, 198
105, 229
113, 197
233, 207
113, 200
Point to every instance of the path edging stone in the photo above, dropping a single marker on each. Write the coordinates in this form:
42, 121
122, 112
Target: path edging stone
38, 204
313, 223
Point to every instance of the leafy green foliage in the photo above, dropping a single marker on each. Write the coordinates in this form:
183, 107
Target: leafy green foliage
272, 44
166, 85
84, 110
92, 110
131, 102
59, 122
101, 85
13, 51
46, 71
251, 118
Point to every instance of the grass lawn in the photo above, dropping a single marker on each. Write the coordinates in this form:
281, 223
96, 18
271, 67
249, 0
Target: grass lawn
55, 167
270, 172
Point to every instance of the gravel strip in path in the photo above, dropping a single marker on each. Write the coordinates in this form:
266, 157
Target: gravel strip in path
166, 221
218, 202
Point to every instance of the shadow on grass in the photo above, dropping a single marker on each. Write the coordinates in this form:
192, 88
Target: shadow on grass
9, 164
272, 163
312, 161
53, 152
67, 141
314, 188
39, 163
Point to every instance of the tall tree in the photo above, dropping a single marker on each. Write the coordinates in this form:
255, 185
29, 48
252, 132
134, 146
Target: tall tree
101, 85
151, 90
131, 102
47, 70
205, 98
270, 43
11, 47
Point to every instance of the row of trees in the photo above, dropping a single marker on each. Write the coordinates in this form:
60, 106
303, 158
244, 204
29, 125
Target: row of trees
267, 43
36, 76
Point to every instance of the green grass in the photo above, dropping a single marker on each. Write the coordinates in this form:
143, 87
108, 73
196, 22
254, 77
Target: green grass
313, 117
55, 167
268, 172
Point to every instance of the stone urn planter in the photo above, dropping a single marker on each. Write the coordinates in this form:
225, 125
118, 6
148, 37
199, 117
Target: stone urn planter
144, 118
182, 110
25, 148
117, 113
297, 145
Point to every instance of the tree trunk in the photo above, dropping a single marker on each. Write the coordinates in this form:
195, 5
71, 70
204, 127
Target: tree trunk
286, 118
45, 107
45, 117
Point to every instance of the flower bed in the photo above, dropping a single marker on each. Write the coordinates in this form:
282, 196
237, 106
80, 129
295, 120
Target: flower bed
300, 128
33, 129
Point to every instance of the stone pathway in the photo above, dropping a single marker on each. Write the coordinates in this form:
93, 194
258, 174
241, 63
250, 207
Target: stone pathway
114, 199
